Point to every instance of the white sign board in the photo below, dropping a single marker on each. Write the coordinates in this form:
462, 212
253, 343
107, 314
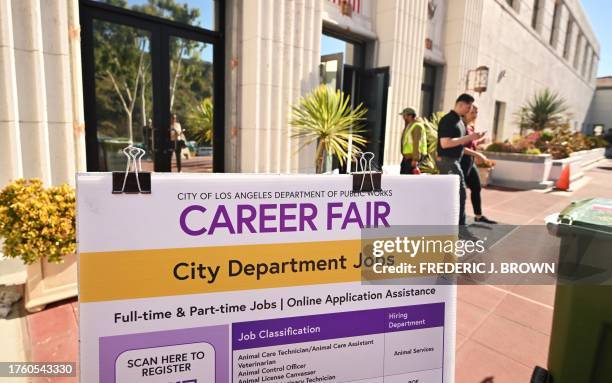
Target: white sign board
253, 278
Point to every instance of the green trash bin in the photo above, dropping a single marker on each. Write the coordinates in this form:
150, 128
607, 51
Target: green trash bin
581, 338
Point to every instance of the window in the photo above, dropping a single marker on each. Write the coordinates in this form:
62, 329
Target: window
498, 120
151, 82
428, 86
554, 30
592, 66
578, 49
568, 38
514, 4
585, 59
535, 16
197, 13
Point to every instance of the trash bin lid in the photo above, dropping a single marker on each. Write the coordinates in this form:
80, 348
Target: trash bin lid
590, 213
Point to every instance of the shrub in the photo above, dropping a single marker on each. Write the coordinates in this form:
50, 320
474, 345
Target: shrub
559, 143
521, 145
498, 147
37, 222
597, 142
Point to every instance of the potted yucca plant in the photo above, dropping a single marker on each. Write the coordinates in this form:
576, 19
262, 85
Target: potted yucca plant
325, 117
38, 227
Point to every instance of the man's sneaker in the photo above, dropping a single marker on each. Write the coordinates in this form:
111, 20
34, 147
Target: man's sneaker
484, 219
465, 234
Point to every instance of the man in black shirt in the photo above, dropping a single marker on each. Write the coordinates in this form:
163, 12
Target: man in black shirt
451, 138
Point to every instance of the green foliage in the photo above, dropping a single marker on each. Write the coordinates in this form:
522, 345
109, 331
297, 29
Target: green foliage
597, 142
124, 94
325, 117
534, 151
497, 147
564, 142
431, 128
201, 122
546, 110
559, 143
37, 222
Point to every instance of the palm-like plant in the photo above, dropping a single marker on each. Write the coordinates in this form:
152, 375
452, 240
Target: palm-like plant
201, 122
431, 130
326, 117
546, 110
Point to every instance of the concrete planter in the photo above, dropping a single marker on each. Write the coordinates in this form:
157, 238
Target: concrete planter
577, 162
587, 157
520, 171
50, 282
559, 165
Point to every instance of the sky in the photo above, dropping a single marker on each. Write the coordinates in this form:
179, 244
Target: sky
599, 13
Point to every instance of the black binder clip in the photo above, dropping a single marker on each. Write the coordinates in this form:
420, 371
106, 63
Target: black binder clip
133, 181
366, 180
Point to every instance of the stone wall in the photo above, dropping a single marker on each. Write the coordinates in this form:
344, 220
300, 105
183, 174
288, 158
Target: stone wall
522, 60
41, 123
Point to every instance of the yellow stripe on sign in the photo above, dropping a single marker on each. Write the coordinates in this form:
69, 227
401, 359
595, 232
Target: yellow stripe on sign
152, 273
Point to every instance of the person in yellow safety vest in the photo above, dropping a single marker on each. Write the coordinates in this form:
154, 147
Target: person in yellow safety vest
414, 132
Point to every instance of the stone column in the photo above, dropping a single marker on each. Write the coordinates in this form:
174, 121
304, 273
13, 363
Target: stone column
76, 83
401, 28
461, 41
10, 153
31, 89
58, 90
277, 62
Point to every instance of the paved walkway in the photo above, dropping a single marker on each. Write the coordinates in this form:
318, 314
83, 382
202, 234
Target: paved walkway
502, 331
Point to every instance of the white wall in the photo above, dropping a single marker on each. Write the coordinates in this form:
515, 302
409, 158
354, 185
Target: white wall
601, 109
461, 46
275, 48
400, 27
41, 123
435, 31
509, 44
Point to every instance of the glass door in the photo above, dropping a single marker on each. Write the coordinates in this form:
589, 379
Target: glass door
372, 92
150, 82
191, 105
122, 94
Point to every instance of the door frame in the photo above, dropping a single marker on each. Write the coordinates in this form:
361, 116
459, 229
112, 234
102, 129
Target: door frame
160, 32
339, 57
385, 71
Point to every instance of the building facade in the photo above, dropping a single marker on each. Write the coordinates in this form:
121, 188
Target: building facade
84, 78
599, 119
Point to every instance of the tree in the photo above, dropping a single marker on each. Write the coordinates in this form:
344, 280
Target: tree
546, 110
121, 54
122, 57
325, 117
180, 49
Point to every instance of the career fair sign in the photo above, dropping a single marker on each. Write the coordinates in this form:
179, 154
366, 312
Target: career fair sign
256, 278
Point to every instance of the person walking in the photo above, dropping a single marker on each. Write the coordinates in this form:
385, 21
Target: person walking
470, 171
177, 137
451, 138
413, 142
